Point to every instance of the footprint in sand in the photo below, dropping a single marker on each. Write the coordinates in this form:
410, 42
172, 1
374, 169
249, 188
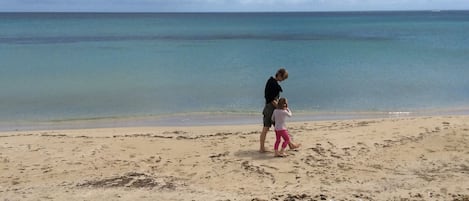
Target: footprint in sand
15, 181
4, 159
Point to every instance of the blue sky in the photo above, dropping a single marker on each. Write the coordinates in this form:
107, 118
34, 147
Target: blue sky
229, 5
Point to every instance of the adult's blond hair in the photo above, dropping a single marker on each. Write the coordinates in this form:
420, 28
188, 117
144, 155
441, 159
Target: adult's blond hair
283, 73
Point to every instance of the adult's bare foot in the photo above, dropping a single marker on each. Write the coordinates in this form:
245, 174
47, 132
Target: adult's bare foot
264, 151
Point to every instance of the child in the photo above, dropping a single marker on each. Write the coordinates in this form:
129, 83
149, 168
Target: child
279, 116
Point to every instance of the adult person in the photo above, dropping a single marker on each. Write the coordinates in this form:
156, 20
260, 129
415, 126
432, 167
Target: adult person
271, 95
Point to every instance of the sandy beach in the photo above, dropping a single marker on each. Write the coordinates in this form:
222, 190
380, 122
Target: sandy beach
402, 158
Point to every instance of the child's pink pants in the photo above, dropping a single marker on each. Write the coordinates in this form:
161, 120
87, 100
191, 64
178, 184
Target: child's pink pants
284, 135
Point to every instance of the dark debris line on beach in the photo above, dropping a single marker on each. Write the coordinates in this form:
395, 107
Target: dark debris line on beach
361, 197
132, 180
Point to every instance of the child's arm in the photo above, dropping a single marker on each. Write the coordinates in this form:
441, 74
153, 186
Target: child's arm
288, 112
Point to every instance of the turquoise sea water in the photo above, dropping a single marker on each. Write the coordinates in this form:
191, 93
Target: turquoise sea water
61, 66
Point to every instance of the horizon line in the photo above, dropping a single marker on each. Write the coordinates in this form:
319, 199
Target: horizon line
202, 12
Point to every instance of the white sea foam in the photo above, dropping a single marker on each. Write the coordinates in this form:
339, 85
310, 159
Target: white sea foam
399, 113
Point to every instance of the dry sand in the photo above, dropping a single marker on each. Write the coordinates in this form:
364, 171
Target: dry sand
407, 158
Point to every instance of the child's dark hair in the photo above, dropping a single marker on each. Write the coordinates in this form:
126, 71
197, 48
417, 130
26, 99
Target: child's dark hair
282, 103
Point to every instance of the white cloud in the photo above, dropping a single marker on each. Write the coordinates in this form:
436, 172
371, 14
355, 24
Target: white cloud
273, 1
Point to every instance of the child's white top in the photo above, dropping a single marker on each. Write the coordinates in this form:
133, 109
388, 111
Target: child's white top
279, 117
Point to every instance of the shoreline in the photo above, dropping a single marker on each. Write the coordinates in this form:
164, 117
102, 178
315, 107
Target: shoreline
399, 159
212, 119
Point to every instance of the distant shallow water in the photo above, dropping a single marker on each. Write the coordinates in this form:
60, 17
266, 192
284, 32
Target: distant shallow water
62, 66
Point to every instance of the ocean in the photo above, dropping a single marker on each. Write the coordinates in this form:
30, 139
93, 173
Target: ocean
61, 67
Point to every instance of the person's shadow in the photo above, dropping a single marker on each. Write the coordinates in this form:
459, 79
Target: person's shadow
254, 154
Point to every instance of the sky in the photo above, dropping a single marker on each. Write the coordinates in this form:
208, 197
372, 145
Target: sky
226, 5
